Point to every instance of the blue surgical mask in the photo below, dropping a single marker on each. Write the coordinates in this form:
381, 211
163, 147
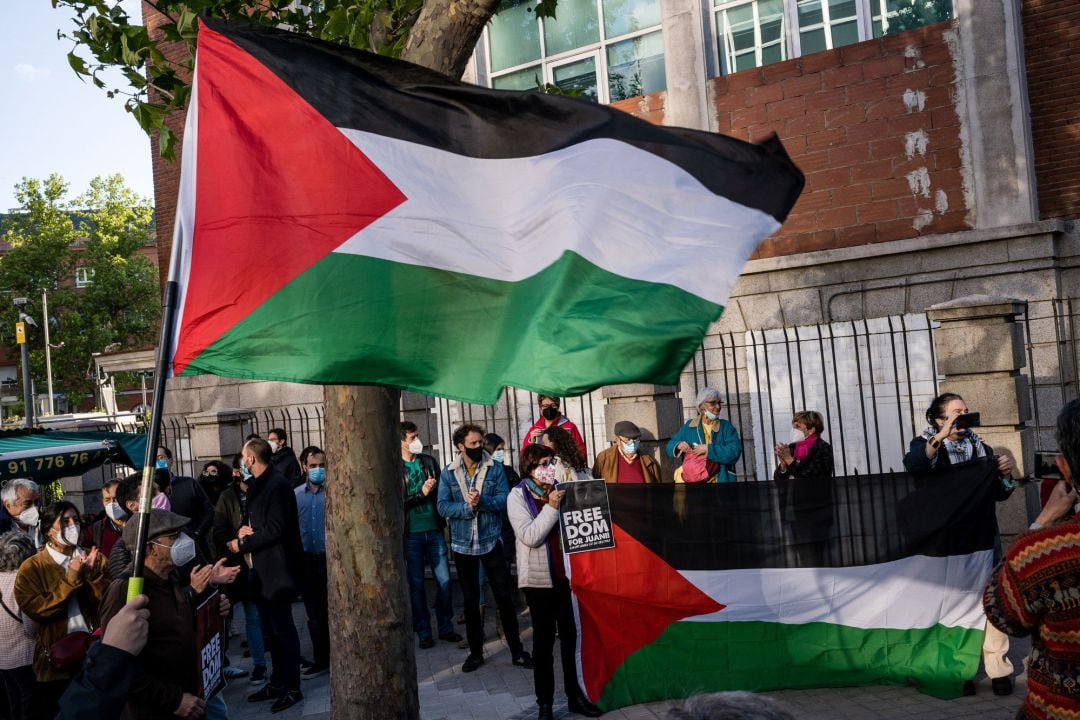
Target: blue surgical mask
630, 447
316, 476
711, 415
245, 471
499, 456
162, 464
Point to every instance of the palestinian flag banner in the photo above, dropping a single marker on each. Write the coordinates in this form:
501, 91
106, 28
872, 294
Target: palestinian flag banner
348, 218
765, 586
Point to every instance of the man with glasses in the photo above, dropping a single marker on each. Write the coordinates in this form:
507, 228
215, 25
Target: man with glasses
1033, 590
551, 416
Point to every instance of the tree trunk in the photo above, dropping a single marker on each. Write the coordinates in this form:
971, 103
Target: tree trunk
446, 32
371, 641
371, 645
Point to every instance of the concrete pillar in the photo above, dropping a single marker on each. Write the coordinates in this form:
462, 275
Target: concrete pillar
686, 101
991, 83
218, 434
980, 350
655, 409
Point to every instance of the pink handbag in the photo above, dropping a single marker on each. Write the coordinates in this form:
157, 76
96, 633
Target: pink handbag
697, 468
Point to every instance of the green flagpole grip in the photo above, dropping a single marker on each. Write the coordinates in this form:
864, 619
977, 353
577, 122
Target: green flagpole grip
135, 587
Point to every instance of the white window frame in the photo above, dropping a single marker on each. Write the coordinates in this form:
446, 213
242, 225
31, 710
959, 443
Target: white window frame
728, 54
578, 55
547, 63
864, 14
84, 277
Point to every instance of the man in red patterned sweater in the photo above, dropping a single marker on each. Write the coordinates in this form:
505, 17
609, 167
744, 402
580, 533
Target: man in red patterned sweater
1036, 590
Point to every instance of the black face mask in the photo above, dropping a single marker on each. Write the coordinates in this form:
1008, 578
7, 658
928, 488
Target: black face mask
475, 454
550, 413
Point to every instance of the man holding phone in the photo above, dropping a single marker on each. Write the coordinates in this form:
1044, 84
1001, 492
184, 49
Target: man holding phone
1032, 591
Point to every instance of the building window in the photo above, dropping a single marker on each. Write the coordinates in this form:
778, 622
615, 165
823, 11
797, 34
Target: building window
602, 50
752, 33
84, 276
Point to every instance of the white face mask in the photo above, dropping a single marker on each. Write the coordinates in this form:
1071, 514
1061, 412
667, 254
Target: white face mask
114, 511
29, 517
499, 456
274, 447
416, 446
797, 435
70, 535
182, 551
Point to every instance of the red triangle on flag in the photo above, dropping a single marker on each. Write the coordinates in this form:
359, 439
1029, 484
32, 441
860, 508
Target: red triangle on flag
277, 188
627, 597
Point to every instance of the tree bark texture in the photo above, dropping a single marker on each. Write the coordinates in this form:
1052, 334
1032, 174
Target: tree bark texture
445, 33
371, 641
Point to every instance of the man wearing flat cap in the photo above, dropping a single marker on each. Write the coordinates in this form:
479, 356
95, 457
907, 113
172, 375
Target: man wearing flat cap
167, 684
622, 463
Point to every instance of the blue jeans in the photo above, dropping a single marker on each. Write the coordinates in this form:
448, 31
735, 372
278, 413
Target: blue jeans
216, 709
253, 630
429, 547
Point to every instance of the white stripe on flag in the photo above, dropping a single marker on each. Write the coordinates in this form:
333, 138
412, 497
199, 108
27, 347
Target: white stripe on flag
914, 592
625, 210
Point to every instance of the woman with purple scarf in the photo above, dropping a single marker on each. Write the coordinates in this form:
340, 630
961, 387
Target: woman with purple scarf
533, 507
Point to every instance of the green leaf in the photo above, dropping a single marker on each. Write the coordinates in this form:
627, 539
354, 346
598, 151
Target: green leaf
546, 8
77, 64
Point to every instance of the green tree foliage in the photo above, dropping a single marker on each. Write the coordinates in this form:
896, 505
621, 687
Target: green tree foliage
438, 34
99, 233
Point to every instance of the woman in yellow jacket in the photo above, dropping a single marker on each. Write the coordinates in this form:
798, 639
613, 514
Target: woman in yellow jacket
59, 589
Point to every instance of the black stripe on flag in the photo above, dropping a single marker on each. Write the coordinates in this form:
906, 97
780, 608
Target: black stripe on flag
371, 93
859, 520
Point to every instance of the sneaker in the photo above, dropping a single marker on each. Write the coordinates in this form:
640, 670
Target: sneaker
1002, 686
314, 671
472, 662
268, 692
426, 643
286, 701
450, 637
232, 672
258, 675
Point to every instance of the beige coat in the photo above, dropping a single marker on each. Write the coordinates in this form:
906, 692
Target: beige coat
531, 535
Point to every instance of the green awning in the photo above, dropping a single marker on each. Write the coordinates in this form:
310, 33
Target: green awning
46, 455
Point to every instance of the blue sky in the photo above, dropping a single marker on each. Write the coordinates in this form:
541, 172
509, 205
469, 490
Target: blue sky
54, 122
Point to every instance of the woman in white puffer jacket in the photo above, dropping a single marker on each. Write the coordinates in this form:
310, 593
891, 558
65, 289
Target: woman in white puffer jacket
533, 508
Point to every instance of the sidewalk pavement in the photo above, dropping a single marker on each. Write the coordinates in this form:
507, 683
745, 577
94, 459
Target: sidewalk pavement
500, 691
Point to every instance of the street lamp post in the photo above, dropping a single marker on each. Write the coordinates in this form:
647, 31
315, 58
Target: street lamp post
48, 353
20, 338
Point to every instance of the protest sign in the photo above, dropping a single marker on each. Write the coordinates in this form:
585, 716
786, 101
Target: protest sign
586, 517
210, 640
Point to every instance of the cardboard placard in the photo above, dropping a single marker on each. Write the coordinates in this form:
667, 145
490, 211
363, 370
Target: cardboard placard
585, 517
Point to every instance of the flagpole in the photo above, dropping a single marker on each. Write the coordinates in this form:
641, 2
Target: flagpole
153, 436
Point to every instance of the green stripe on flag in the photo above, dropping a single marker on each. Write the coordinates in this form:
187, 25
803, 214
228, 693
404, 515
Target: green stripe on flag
568, 329
696, 657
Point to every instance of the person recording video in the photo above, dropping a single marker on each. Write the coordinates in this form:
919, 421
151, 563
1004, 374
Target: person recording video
947, 441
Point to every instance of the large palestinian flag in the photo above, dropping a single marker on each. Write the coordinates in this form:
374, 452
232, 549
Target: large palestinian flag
348, 218
763, 586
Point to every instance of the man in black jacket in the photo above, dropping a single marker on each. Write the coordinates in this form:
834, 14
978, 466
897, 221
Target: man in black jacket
283, 458
270, 543
187, 498
424, 539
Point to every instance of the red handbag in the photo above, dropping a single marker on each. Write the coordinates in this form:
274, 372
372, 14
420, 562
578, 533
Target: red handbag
66, 654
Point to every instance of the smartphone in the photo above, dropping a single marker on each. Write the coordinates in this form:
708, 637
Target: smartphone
967, 420
1046, 466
